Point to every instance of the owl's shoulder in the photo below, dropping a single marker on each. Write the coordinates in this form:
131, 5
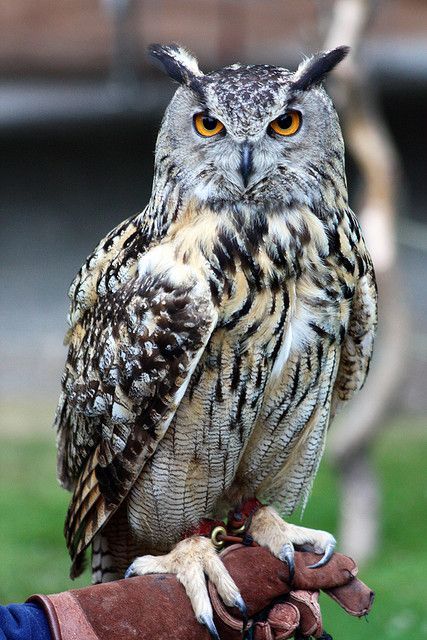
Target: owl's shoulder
112, 263
347, 248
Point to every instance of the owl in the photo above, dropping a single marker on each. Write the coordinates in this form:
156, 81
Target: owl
214, 335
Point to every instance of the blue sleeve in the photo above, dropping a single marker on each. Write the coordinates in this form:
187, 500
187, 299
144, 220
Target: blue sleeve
23, 622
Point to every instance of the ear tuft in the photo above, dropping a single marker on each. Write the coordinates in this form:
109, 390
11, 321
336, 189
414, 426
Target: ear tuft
178, 63
312, 71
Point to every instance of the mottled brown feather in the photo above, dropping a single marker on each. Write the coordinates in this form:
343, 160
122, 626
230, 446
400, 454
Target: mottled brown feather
125, 376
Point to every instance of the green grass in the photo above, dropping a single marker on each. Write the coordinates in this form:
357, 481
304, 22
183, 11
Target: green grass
33, 556
398, 575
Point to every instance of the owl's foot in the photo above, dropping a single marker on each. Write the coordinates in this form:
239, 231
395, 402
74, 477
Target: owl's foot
190, 560
269, 530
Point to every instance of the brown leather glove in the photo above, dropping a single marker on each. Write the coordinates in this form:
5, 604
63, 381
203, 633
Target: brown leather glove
157, 607
263, 579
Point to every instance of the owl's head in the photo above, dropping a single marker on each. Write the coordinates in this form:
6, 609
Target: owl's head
250, 133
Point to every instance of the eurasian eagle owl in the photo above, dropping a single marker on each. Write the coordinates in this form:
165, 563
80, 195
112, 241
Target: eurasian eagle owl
214, 334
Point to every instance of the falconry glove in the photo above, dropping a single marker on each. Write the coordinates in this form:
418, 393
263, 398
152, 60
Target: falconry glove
157, 607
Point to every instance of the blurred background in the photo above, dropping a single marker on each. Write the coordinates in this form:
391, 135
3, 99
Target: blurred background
80, 106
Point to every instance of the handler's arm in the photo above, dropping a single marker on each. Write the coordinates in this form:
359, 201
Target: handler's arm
23, 622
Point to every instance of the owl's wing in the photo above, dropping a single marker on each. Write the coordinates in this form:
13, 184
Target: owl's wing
112, 263
131, 356
358, 343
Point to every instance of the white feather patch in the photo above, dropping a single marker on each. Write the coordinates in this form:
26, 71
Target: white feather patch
283, 354
186, 59
302, 68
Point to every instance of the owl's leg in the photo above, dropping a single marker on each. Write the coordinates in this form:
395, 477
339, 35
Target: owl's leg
191, 560
269, 530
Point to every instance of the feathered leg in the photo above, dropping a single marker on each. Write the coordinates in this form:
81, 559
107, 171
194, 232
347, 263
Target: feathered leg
191, 560
269, 530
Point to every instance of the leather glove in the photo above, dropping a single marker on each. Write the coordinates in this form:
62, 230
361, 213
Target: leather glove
298, 610
156, 606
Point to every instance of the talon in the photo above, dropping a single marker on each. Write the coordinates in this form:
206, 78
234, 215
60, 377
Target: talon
325, 636
130, 571
286, 554
207, 620
241, 606
329, 551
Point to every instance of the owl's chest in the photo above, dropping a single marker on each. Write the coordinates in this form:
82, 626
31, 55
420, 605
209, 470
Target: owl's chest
196, 462
259, 328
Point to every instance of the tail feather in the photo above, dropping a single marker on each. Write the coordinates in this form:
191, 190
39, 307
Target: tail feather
104, 568
114, 548
87, 514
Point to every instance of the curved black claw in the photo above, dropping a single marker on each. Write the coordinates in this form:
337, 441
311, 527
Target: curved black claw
329, 552
207, 620
287, 554
130, 571
241, 605
325, 636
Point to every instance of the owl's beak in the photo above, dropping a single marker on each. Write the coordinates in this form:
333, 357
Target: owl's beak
246, 167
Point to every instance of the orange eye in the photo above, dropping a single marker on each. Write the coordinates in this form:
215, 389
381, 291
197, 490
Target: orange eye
287, 124
207, 126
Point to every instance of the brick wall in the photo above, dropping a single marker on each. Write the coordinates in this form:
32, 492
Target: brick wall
69, 36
